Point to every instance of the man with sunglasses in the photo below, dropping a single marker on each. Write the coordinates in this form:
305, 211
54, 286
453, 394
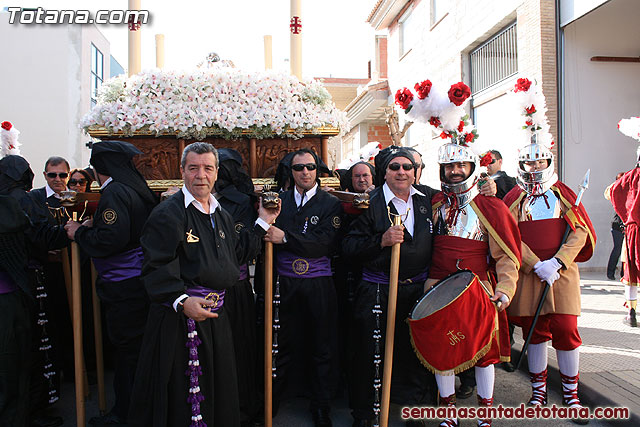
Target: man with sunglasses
369, 242
56, 172
305, 237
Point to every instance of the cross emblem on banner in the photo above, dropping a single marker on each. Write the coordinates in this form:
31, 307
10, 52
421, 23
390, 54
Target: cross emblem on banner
296, 25
133, 25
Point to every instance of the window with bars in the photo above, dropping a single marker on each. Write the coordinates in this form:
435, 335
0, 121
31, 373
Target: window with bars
97, 73
494, 60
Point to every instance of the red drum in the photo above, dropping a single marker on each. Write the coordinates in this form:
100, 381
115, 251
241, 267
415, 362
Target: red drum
453, 325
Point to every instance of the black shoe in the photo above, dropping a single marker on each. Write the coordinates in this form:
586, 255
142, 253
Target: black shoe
358, 422
46, 421
110, 419
321, 417
611, 277
508, 366
464, 391
631, 319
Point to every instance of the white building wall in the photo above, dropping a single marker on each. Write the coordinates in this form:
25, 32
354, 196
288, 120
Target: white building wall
597, 96
440, 53
48, 69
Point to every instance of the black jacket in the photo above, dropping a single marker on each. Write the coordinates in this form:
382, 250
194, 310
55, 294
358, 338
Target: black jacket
504, 184
362, 242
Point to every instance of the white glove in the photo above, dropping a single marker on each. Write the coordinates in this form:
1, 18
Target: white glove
547, 270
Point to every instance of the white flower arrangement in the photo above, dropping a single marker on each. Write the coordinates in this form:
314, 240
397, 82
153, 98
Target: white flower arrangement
221, 102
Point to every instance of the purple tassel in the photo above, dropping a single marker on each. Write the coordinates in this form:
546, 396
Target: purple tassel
194, 371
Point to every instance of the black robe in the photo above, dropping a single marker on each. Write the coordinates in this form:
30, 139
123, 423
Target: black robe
16, 316
117, 226
411, 383
240, 306
42, 236
172, 264
308, 307
50, 204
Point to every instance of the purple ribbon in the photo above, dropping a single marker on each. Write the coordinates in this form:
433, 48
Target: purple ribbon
290, 265
244, 272
193, 372
383, 279
122, 266
7, 285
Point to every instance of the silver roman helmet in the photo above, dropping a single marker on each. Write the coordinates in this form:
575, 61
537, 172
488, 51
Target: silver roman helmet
536, 183
465, 190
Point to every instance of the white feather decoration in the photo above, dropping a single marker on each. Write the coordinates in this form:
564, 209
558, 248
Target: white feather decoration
9, 138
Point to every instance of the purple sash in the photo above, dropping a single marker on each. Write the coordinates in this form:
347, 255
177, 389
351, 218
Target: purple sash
209, 294
123, 266
382, 278
290, 265
244, 272
7, 284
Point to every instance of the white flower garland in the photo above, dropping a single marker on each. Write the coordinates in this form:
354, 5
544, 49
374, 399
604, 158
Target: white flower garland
188, 104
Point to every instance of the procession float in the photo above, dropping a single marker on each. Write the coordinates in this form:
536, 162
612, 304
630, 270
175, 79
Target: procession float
263, 115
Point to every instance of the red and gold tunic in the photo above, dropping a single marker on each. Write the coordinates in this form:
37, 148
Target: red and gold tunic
625, 197
541, 241
493, 254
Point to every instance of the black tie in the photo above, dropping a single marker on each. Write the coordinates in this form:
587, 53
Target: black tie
302, 200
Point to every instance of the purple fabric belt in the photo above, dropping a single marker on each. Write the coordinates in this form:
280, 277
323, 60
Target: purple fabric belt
123, 266
290, 265
244, 272
380, 277
209, 294
7, 284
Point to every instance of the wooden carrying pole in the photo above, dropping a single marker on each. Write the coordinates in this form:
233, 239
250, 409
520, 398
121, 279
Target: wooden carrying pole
77, 330
97, 331
391, 329
66, 271
268, 337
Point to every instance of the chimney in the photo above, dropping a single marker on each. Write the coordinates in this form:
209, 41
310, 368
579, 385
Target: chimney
381, 58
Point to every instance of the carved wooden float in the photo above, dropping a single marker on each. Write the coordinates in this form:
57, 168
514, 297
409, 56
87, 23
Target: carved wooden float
160, 160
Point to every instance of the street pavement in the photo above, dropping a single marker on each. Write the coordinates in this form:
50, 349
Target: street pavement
609, 371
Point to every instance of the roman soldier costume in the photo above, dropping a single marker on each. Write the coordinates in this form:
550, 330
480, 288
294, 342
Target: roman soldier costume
468, 227
544, 207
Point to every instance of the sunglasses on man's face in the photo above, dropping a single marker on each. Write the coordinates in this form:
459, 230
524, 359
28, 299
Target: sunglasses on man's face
493, 161
396, 166
299, 166
77, 181
62, 175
